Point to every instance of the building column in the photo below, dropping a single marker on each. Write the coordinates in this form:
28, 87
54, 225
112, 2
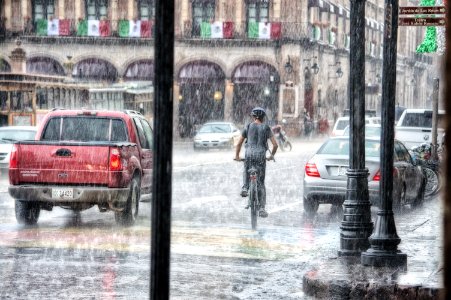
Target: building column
78, 10
131, 9
8, 23
228, 101
176, 102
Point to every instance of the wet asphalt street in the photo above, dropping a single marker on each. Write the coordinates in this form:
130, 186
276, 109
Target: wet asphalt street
214, 254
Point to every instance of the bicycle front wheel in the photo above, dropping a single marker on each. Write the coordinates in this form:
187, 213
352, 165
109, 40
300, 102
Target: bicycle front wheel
253, 204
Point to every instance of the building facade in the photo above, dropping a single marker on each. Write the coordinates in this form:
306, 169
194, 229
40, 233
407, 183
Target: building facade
291, 57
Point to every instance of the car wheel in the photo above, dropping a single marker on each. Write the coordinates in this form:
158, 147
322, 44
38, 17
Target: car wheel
128, 216
420, 196
27, 212
310, 206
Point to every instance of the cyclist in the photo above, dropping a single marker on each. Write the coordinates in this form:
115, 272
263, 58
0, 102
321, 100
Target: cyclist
278, 131
256, 135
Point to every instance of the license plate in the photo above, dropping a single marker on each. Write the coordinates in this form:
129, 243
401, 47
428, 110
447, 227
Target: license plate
62, 193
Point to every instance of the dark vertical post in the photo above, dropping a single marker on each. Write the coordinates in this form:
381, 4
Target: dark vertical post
435, 91
384, 240
356, 226
162, 170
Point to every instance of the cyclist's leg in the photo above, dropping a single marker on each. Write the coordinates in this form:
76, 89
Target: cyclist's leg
261, 167
245, 187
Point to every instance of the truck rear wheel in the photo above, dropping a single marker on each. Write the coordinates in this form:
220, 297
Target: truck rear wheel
128, 216
27, 212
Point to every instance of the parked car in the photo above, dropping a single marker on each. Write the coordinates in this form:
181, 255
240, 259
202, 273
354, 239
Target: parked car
414, 127
9, 135
216, 135
370, 130
343, 122
325, 179
83, 158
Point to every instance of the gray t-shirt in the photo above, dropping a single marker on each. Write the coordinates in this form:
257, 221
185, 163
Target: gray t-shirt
256, 136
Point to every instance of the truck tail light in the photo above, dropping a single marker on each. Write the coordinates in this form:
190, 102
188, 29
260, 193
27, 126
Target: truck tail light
115, 160
311, 170
377, 176
14, 158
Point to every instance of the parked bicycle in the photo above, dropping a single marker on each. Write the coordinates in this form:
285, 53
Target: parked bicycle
253, 198
431, 168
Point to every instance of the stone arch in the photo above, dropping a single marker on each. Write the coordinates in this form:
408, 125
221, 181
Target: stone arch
5, 67
44, 65
202, 88
255, 83
95, 69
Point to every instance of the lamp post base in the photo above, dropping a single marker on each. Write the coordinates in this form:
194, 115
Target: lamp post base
382, 258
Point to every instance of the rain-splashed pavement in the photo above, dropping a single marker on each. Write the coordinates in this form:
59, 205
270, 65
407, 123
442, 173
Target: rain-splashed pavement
214, 254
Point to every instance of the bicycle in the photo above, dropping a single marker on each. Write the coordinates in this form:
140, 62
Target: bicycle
431, 168
252, 196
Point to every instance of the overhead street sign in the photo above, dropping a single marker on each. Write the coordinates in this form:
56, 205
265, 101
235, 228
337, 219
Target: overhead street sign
411, 21
411, 10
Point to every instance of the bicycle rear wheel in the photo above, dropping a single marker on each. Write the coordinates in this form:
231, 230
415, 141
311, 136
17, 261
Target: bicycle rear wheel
432, 182
253, 204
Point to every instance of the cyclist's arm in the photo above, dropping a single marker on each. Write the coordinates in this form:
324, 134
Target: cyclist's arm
238, 148
274, 147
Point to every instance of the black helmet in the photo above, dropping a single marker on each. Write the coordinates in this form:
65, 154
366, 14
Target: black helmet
258, 113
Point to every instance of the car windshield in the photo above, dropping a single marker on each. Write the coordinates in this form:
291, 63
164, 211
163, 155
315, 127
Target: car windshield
17, 135
421, 120
341, 147
369, 131
215, 128
342, 124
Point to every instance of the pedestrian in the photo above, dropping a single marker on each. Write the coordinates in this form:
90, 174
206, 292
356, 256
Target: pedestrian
323, 125
256, 135
308, 125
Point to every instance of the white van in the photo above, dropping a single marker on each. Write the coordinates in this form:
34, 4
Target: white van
343, 122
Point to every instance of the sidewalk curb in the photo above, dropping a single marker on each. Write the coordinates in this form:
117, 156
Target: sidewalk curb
346, 278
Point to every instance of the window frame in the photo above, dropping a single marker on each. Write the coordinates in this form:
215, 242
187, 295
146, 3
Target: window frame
97, 9
151, 7
46, 15
207, 10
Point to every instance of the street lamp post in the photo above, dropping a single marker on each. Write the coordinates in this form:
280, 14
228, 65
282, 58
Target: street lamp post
384, 240
356, 226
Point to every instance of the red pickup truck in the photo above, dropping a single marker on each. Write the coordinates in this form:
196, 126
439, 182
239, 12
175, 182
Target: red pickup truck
82, 158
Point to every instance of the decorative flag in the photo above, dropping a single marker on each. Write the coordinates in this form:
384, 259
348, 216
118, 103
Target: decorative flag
316, 32
146, 28
93, 28
264, 30
104, 28
135, 29
41, 27
123, 28
332, 37
53, 27
64, 26
216, 30
82, 28
429, 43
276, 30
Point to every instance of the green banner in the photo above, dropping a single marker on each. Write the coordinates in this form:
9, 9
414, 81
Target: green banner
82, 28
205, 29
124, 28
41, 27
252, 30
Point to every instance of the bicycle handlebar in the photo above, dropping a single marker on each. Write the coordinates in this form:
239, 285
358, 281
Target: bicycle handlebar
267, 158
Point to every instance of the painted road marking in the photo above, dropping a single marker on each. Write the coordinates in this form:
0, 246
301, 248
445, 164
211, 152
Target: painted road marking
219, 241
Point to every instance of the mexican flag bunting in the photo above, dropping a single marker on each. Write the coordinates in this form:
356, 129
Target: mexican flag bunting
104, 28
216, 30
93, 28
82, 28
264, 30
429, 43
146, 28
139, 28
53, 27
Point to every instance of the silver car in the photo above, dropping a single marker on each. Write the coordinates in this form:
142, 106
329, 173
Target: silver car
9, 135
325, 179
222, 135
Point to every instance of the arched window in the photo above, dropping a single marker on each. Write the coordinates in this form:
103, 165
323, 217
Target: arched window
140, 70
44, 65
95, 69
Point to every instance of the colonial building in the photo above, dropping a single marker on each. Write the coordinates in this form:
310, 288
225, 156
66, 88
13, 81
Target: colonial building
289, 56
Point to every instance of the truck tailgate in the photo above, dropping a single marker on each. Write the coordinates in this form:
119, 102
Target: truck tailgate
63, 164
